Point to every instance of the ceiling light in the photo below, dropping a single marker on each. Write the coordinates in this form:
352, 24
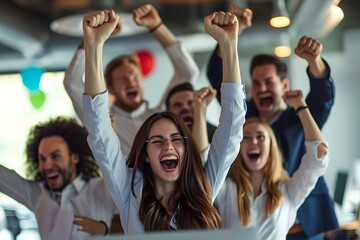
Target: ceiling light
279, 16
334, 16
282, 51
72, 26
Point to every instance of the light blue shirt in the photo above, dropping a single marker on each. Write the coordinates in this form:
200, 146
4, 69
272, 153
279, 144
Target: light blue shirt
106, 148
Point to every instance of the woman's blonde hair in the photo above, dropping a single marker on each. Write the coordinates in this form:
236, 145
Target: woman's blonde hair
274, 173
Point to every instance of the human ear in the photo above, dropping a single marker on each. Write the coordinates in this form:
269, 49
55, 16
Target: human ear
286, 84
110, 88
74, 158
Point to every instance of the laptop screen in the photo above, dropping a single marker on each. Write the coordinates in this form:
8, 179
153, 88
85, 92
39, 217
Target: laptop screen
223, 234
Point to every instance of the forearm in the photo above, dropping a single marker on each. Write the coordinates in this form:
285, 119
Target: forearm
231, 69
311, 129
164, 36
94, 80
321, 96
306, 176
75, 71
73, 82
14, 186
317, 68
199, 130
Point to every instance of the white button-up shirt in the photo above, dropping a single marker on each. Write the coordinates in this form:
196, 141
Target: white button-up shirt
295, 190
55, 221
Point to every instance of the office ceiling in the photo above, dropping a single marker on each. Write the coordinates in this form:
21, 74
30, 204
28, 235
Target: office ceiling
26, 38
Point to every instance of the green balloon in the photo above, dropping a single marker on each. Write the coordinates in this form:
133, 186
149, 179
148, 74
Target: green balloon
37, 99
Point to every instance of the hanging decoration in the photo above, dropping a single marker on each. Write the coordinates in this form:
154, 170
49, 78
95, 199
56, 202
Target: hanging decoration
37, 98
31, 78
147, 61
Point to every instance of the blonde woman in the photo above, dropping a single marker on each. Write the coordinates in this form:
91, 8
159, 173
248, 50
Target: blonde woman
258, 193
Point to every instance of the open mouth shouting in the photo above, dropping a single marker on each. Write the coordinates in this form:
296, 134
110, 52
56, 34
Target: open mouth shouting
56, 179
188, 120
169, 163
254, 155
254, 160
187, 117
266, 101
132, 93
52, 178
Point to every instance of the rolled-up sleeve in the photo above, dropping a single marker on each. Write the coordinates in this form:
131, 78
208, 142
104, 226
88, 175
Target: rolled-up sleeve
304, 179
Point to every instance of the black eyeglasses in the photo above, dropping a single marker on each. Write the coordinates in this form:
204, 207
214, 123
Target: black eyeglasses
160, 141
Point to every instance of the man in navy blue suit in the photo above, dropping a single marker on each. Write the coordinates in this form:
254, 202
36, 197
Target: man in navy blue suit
269, 82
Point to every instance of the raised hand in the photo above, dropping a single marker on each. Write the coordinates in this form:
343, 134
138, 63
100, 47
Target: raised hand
309, 49
244, 16
147, 16
91, 226
294, 98
203, 97
222, 26
98, 26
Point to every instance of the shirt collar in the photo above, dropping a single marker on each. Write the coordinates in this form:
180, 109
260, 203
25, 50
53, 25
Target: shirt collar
263, 191
78, 184
275, 118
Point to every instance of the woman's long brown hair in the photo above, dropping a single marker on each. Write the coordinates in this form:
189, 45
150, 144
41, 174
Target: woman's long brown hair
191, 199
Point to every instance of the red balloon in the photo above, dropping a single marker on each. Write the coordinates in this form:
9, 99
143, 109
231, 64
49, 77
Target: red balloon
147, 61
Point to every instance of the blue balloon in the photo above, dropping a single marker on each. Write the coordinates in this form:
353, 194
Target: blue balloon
31, 77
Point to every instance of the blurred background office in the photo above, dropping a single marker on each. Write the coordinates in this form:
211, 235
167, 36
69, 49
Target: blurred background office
39, 37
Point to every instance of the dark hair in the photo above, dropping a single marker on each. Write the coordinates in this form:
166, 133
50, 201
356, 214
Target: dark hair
119, 61
192, 195
263, 59
178, 88
75, 137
